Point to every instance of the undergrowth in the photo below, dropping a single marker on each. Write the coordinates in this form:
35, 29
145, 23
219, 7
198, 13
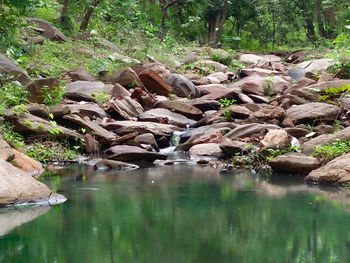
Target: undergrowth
332, 150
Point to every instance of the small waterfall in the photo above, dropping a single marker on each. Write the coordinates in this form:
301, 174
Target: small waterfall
175, 141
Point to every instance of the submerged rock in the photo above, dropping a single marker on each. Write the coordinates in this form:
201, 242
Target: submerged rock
115, 165
335, 172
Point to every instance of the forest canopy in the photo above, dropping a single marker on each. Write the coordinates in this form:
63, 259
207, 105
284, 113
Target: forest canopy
247, 24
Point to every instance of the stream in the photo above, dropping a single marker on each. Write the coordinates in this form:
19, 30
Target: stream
179, 213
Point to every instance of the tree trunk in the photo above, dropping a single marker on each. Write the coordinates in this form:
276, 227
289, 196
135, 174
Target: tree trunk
63, 19
87, 16
320, 22
162, 24
216, 24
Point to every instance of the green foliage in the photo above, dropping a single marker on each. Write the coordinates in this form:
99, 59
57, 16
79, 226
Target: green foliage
332, 150
225, 102
51, 151
12, 93
6, 131
52, 96
270, 153
331, 93
101, 97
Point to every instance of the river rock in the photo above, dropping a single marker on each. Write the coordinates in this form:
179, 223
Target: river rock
253, 84
115, 165
230, 148
216, 66
148, 139
80, 74
324, 139
101, 134
154, 83
85, 90
316, 65
258, 71
252, 59
85, 110
6, 152
309, 112
246, 130
125, 108
335, 172
182, 86
164, 115
8, 67
211, 150
27, 164
217, 78
124, 127
239, 112
17, 185
126, 153
204, 105
182, 108
36, 91
125, 77
269, 112
319, 87
50, 31
146, 99
276, 139
294, 163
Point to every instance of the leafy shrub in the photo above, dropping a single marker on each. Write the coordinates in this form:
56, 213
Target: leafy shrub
332, 150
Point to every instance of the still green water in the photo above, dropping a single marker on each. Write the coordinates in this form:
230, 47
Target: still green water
180, 214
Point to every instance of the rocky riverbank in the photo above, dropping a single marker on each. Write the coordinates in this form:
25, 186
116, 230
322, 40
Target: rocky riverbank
277, 108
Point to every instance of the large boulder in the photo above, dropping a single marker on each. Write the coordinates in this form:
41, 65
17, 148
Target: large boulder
182, 86
166, 116
307, 113
126, 153
86, 90
335, 172
294, 163
8, 67
49, 31
17, 186
309, 146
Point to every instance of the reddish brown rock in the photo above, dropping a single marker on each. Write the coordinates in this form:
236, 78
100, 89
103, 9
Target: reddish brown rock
154, 83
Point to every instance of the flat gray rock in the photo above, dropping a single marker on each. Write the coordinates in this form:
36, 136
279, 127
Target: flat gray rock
126, 153
294, 163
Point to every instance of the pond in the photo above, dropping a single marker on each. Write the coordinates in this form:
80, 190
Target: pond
180, 214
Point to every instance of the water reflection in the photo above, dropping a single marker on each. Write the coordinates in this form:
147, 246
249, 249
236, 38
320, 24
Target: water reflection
185, 214
12, 218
